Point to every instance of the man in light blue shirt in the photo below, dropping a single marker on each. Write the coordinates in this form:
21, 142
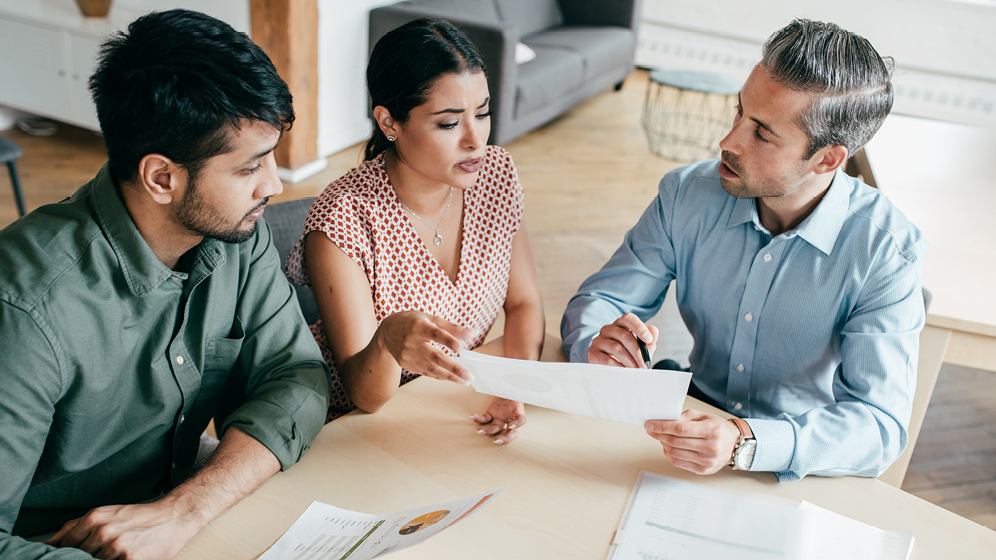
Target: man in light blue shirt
799, 284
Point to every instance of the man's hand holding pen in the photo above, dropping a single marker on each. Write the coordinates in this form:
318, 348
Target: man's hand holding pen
619, 344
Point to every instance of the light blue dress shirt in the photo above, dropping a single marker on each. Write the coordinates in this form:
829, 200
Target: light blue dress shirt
812, 335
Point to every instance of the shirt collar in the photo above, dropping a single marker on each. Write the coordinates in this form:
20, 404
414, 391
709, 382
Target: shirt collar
820, 229
823, 226
143, 271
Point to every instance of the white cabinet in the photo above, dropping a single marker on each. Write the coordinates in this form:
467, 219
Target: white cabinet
47, 53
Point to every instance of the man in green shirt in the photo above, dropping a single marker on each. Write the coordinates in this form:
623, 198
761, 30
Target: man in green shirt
151, 301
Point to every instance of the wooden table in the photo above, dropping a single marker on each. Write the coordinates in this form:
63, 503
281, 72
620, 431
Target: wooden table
570, 478
939, 175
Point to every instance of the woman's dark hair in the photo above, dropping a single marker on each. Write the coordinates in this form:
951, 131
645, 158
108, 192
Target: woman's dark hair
171, 84
406, 62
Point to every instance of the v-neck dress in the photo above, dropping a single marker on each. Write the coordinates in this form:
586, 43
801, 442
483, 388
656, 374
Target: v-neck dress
362, 215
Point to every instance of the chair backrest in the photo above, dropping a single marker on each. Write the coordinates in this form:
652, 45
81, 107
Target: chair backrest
286, 221
933, 345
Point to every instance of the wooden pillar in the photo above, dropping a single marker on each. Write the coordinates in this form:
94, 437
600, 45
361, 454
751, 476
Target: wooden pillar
287, 30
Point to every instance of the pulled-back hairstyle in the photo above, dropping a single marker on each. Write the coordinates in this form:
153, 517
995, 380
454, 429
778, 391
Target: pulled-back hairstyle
175, 83
405, 64
843, 73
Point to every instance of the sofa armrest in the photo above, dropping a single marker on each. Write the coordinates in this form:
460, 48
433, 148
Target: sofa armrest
495, 41
622, 13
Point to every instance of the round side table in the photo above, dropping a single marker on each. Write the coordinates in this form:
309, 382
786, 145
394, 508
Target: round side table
687, 113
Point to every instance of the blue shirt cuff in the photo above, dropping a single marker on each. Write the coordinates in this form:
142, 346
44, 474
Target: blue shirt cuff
775, 444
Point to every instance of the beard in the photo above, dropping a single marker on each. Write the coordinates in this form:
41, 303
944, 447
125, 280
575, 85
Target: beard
746, 187
207, 221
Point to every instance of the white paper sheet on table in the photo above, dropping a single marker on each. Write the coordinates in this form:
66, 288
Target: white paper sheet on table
623, 394
325, 532
669, 519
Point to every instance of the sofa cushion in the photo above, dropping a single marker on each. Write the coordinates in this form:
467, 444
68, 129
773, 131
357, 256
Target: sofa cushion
474, 10
530, 16
601, 48
554, 72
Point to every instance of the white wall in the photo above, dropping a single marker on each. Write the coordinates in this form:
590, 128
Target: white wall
233, 12
342, 59
343, 28
945, 50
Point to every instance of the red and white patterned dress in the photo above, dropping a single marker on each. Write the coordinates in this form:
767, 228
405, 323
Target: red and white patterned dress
362, 215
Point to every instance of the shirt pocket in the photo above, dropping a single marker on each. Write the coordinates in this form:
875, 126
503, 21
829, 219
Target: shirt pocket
221, 354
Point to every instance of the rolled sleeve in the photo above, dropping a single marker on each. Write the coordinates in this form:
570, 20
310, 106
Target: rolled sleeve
287, 381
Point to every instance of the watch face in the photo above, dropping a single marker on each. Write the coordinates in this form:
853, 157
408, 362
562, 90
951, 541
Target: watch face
744, 457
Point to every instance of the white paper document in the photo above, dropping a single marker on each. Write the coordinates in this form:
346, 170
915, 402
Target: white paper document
613, 393
325, 532
669, 519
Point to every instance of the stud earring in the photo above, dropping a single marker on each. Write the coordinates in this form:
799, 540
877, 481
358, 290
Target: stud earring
390, 138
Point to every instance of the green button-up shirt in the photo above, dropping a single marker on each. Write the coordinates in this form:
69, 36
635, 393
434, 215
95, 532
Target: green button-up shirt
111, 364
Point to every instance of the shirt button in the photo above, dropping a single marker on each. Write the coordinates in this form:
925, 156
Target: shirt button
738, 406
767, 257
748, 316
757, 228
182, 418
740, 368
179, 359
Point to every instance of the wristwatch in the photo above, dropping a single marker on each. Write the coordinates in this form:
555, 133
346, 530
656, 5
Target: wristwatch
743, 451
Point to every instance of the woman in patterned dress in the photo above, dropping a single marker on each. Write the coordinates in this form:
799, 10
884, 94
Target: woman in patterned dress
412, 254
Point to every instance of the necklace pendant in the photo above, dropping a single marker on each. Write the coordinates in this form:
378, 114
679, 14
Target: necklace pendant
437, 239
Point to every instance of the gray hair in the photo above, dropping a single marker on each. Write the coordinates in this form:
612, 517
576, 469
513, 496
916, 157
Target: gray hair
843, 73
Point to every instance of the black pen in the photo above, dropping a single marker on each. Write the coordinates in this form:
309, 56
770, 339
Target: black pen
644, 352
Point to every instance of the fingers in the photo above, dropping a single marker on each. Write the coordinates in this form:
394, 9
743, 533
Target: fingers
652, 346
688, 465
410, 342
699, 442
506, 431
616, 344
433, 362
56, 539
455, 332
503, 418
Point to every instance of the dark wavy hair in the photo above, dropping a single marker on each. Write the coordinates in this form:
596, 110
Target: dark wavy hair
405, 64
174, 84
849, 82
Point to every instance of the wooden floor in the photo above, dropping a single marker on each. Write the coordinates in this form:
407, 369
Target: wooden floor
588, 176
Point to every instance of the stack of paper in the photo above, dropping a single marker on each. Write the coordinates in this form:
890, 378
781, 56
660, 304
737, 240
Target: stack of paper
668, 519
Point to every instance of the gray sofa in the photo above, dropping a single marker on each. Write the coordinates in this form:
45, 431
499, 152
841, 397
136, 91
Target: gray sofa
582, 47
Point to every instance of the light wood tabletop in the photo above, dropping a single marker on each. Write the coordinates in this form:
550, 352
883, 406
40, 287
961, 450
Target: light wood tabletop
569, 481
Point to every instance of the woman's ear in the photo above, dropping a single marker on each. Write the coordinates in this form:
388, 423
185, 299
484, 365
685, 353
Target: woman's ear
385, 122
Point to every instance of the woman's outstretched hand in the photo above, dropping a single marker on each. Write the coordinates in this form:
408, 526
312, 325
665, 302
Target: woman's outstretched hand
408, 336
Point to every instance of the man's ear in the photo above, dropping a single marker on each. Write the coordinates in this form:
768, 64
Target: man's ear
829, 159
385, 122
161, 178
